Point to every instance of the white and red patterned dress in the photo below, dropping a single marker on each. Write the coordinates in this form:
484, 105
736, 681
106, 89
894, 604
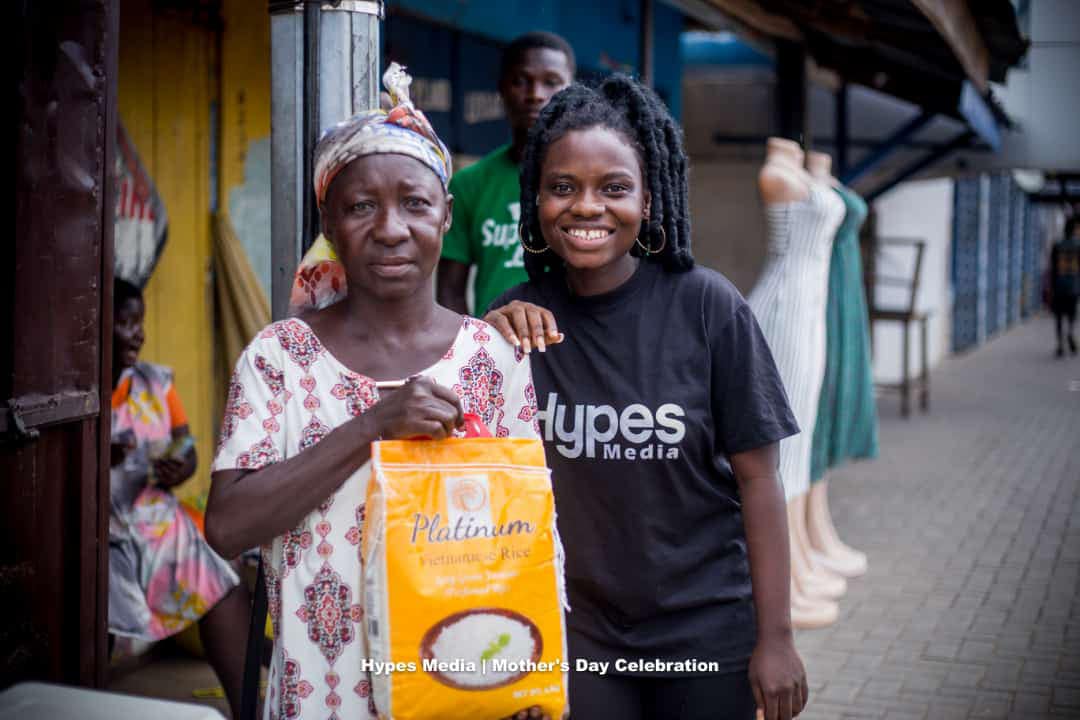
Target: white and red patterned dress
286, 394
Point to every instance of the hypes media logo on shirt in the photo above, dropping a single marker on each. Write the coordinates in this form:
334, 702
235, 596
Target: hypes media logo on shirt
600, 431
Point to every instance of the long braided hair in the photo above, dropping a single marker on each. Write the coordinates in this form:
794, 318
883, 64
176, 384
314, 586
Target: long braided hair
637, 113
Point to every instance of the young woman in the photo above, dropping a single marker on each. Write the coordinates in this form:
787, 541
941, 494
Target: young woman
162, 574
304, 405
661, 411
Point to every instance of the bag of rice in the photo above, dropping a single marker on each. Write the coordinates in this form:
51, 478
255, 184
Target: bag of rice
463, 580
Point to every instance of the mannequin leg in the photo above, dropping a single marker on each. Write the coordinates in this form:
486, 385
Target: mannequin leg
825, 544
814, 581
809, 614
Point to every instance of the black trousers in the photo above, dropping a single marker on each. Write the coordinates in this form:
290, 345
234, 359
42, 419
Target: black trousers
1064, 308
625, 697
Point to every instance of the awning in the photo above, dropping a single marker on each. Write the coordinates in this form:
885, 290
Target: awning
922, 51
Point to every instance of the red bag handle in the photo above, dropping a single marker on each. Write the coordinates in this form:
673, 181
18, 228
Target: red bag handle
475, 427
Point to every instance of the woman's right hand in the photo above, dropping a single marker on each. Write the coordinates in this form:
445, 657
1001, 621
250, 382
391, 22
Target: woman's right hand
525, 325
419, 408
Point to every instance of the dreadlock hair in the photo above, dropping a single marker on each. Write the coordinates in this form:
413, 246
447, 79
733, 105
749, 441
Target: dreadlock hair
637, 113
538, 39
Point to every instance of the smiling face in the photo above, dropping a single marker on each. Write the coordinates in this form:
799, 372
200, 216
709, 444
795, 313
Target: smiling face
530, 83
592, 200
386, 215
128, 333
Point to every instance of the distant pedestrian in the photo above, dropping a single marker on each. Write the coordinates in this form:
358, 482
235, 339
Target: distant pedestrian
484, 234
1065, 285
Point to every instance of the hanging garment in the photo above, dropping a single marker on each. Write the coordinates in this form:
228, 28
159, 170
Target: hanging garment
789, 302
847, 423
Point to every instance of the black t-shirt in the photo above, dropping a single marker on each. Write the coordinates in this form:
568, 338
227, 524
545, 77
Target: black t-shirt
656, 384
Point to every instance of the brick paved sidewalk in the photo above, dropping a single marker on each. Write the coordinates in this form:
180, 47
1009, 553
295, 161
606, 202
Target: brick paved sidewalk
971, 519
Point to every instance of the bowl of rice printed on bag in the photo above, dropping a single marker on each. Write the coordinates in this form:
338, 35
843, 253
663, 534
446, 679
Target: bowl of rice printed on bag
463, 580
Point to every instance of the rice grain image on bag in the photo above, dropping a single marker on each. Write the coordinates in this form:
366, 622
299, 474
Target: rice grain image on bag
463, 580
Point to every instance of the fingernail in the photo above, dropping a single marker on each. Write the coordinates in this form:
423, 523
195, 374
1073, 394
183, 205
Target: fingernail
525, 345
513, 339
540, 345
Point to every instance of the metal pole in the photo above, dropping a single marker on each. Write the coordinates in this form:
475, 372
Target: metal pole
286, 150
324, 57
791, 115
646, 49
842, 139
312, 22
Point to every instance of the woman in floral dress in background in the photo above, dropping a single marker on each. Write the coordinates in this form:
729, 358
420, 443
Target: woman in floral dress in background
163, 576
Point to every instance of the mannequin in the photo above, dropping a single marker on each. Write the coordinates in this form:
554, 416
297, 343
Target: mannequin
802, 215
846, 425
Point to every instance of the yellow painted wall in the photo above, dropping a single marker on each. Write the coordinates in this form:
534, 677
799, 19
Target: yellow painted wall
169, 77
245, 88
245, 121
166, 87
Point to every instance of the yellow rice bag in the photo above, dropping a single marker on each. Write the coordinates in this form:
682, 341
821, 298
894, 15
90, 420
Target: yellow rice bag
463, 580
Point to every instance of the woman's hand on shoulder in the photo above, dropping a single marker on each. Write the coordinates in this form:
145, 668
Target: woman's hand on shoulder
525, 325
419, 408
778, 679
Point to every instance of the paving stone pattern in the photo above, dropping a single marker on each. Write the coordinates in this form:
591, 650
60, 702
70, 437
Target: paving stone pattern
971, 519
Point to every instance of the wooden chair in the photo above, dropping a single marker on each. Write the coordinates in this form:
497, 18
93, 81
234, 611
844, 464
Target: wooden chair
906, 314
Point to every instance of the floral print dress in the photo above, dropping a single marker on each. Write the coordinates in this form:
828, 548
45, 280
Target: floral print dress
287, 393
163, 576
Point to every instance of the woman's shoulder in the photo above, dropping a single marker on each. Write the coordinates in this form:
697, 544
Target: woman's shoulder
703, 281
480, 336
708, 294
278, 333
290, 337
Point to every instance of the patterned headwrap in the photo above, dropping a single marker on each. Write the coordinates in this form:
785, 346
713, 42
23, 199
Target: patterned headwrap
403, 130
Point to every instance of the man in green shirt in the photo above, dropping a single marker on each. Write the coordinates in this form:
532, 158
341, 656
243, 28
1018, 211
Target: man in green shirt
484, 232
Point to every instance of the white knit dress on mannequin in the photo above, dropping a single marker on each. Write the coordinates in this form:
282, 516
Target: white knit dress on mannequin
789, 302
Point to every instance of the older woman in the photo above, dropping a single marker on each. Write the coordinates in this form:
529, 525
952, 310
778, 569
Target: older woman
305, 401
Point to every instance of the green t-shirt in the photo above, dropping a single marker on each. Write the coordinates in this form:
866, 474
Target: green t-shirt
487, 207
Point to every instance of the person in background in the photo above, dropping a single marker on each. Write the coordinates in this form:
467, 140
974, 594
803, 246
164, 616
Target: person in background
662, 410
163, 576
1065, 285
534, 67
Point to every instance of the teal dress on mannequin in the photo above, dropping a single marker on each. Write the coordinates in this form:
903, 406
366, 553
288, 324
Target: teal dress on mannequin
847, 423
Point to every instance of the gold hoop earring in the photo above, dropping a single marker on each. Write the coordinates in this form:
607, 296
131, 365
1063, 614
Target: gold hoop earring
663, 243
521, 239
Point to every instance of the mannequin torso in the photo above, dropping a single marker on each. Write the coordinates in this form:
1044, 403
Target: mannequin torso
819, 165
782, 177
